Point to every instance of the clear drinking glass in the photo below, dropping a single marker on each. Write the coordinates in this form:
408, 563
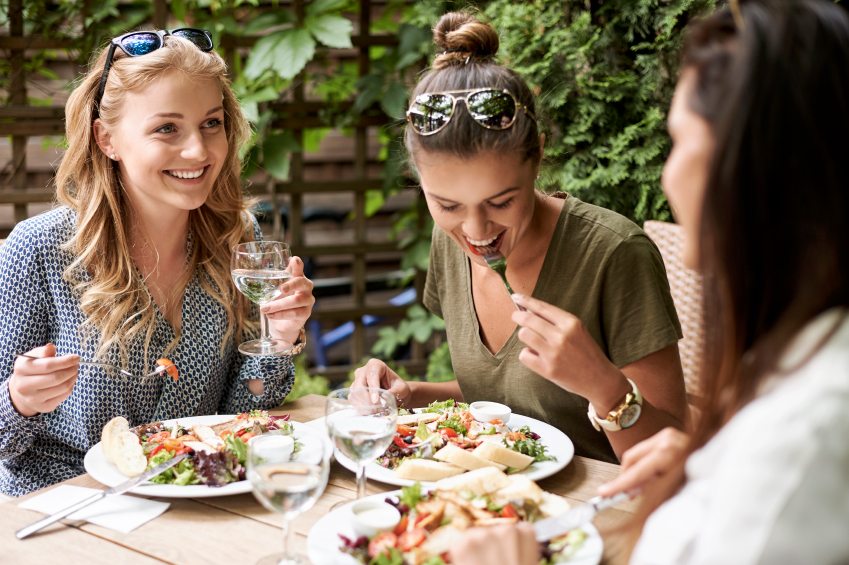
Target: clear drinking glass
258, 269
361, 423
285, 483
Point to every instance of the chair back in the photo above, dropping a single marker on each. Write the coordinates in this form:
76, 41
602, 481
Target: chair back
686, 287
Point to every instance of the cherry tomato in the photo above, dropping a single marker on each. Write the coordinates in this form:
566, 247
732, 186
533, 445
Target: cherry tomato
402, 525
410, 539
399, 442
509, 511
380, 543
246, 436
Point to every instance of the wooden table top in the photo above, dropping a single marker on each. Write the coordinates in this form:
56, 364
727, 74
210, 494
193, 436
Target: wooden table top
237, 529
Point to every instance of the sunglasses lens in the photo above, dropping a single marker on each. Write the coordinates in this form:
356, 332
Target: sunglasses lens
197, 36
430, 112
492, 108
140, 43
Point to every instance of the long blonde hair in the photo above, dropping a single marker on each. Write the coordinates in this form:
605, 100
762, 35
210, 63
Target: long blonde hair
118, 307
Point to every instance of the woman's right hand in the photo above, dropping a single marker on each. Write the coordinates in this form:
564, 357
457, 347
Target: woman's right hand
514, 544
647, 460
377, 374
40, 385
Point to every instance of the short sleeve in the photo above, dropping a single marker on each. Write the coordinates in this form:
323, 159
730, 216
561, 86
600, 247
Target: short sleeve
638, 314
431, 290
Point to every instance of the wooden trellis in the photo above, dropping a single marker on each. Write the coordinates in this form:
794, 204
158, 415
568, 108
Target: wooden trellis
24, 187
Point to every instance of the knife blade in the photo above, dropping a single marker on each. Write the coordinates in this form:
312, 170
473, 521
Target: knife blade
117, 489
578, 516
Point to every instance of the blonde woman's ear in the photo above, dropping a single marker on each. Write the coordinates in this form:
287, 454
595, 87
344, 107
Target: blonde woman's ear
104, 140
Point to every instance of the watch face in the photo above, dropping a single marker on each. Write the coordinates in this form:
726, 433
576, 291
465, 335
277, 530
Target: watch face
630, 415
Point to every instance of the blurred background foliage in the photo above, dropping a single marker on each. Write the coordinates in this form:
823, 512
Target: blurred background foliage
603, 71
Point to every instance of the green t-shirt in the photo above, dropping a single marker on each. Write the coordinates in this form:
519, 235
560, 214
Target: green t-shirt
600, 267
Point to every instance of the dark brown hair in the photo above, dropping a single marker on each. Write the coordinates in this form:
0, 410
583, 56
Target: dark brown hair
467, 49
773, 241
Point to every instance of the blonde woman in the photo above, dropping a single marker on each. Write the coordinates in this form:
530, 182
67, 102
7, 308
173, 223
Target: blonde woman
134, 265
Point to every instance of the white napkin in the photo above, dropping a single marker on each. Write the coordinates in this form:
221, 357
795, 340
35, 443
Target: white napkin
116, 512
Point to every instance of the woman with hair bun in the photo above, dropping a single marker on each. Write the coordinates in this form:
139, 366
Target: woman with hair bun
593, 349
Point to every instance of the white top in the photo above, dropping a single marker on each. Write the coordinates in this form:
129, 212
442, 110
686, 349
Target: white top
773, 485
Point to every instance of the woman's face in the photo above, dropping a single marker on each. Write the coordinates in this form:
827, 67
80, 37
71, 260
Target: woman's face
483, 201
686, 170
170, 142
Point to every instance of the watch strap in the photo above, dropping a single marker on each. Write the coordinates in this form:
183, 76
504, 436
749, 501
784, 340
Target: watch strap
611, 422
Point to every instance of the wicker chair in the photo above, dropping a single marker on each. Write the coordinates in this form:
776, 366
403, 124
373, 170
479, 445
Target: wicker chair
686, 287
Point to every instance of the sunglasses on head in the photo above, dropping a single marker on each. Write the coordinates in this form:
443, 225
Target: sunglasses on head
492, 108
138, 43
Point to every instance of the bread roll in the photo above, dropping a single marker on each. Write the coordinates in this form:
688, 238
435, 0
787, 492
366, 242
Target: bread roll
129, 455
480, 481
465, 459
500, 454
414, 469
109, 437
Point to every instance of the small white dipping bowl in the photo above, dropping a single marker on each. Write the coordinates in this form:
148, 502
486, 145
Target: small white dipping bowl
486, 411
373, 516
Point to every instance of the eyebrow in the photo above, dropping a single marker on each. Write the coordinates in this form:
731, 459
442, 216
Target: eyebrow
180, 116
502, 193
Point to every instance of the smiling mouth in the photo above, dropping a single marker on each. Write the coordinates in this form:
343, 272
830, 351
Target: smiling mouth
485, 246
187, 174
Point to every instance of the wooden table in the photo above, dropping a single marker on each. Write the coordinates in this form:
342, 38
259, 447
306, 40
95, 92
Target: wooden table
235, 529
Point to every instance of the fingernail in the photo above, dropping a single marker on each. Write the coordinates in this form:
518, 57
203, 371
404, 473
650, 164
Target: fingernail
517, 297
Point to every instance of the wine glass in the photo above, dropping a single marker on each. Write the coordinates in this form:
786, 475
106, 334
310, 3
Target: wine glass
286, 483
361, 423
258, 269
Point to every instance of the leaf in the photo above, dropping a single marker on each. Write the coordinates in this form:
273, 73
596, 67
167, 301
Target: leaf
394, 101
318, 7
285, 52
266, 21
275, 154
374, 201
333, 31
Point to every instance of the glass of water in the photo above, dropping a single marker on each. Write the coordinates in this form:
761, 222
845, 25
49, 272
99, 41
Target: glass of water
361, 423
258, 269
288, 474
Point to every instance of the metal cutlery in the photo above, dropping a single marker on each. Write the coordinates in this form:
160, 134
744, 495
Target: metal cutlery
578, 516
160, 369
118, 489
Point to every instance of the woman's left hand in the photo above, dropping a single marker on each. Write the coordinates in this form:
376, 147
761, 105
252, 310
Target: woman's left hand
560, 348
288, 313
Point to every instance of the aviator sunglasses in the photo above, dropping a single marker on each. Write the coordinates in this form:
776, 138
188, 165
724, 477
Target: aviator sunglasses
491, 108
138, 43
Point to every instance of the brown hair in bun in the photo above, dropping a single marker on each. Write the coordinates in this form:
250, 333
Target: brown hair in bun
466, 48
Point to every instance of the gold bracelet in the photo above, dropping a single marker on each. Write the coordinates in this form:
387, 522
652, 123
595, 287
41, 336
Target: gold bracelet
299, 344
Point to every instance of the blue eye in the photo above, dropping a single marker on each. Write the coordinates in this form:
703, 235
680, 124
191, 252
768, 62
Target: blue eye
213, 123
167, 128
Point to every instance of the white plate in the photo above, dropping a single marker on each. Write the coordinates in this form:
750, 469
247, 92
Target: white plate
323, 541
105, 472
559, 445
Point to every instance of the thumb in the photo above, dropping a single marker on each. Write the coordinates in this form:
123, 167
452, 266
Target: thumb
296, 266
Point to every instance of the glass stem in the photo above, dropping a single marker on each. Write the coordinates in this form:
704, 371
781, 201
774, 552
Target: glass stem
265, 334
361, 480
287, 543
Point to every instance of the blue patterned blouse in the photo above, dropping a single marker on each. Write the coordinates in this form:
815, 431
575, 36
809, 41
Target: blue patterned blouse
37, 306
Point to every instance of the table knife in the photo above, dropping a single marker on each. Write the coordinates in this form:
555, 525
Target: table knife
118, 489
578, 516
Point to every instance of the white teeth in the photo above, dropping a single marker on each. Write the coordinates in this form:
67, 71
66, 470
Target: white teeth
186, 174
482, 242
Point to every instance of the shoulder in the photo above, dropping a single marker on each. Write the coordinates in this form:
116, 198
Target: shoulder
599, 223
45, 231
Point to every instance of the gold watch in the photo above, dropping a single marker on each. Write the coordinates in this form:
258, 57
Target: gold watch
623, 416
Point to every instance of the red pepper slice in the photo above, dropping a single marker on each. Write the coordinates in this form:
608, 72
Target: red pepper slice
399, 442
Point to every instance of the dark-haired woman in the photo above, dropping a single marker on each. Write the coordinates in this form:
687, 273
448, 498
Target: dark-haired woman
759, 122
599, 330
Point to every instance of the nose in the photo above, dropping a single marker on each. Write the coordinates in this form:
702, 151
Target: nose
476, 224
194, 148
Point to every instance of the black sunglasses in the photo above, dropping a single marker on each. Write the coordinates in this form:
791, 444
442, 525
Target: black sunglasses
492, 108
138, 43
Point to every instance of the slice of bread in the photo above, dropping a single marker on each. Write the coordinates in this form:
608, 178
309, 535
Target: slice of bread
415, 419
500, 454
480, 481
414, 469
465, 459
129, 455
109, 437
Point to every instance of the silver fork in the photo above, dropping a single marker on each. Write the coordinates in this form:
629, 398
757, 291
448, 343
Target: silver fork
159, 369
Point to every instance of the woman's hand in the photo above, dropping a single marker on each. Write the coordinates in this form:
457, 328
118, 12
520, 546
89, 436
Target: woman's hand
561, 349
513, 544
288, 313
377, 374
38, 386
647, 460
